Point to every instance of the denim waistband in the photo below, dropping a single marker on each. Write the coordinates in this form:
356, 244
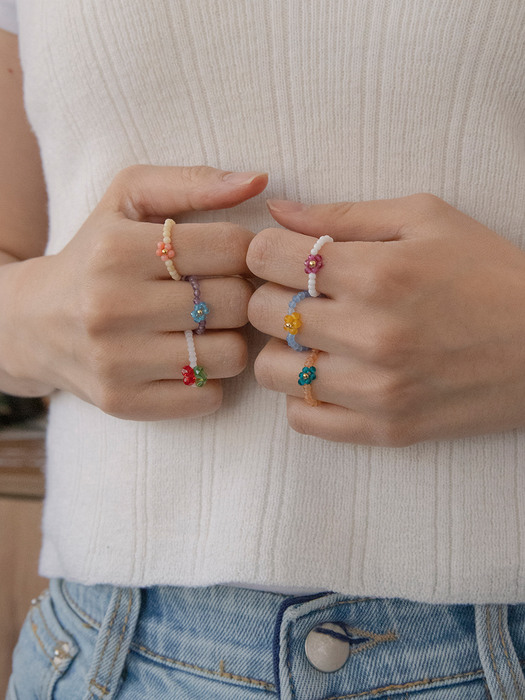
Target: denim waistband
257, 639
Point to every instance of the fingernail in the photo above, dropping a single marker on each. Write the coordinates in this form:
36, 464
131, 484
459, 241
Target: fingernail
285, 206
241, 178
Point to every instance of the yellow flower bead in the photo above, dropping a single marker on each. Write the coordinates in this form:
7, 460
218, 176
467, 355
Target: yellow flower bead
292, 322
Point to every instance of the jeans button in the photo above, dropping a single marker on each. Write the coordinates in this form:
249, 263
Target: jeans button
327, 647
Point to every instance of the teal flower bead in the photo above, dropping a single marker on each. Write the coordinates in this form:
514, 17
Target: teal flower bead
307, 375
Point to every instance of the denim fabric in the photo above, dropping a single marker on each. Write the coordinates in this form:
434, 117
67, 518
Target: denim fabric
225, 643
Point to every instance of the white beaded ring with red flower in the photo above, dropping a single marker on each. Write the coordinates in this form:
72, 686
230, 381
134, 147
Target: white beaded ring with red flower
314, 262
192, 373
165, 250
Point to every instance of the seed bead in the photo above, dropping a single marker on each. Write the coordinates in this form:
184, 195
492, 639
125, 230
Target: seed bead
314, 262
165, 250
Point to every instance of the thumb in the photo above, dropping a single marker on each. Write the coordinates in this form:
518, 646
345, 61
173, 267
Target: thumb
377, 220
154, 192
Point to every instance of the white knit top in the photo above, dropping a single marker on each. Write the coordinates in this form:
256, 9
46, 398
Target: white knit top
337, 100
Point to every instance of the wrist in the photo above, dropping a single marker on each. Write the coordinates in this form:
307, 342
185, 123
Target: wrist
19, 342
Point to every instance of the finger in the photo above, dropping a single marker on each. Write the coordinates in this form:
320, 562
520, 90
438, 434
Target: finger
162, 356
339, 380
278, 255
376, 220
170, 304
164, 400
200, 249
354, 402
166, 306
146, 192
329, 422
327, 324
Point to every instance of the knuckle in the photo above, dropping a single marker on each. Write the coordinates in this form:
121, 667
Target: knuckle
231, 354
105, 254
387, 345
298, 419
124, 177
388, 279
394, 395
108, 397
264, 369
97, 313
193, 174
236, 299
341, 210
233, 241
259, 313
394, 433
105, 368
262, 250
123, 183
426, 204
209, 401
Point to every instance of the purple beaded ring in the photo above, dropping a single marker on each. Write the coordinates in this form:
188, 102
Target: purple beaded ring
200, 309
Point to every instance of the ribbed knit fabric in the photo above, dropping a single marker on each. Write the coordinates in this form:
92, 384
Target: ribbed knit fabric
337, 100
8, 16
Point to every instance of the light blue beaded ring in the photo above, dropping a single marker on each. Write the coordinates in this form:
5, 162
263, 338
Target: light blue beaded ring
292, 321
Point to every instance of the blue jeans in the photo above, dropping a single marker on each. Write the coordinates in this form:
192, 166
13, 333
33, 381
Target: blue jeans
222, 643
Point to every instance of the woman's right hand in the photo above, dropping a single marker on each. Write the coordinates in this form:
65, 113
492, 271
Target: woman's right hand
104, 320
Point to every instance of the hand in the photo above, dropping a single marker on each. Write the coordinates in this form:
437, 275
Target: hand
422, 327
104, 320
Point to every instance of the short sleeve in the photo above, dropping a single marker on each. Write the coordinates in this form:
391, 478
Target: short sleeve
8, 16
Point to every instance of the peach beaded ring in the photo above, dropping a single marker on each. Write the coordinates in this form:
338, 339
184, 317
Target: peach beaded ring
307, 375
165, 249
314, 262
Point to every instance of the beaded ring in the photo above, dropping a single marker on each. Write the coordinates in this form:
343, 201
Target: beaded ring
165, 249
292, 321
200, 309
307, 375
192, 373
314, 262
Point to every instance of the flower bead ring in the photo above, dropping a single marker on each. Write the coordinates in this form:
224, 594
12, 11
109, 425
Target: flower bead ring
200, 309
193, 374
165, 250
292, 321
314, 262
307, 375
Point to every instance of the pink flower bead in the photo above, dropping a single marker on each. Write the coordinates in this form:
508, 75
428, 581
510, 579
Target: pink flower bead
313, 263
165, 251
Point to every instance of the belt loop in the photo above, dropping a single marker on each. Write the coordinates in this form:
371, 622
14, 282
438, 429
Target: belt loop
502, 669
113, 641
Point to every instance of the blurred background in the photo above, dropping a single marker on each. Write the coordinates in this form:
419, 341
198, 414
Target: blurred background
22, 452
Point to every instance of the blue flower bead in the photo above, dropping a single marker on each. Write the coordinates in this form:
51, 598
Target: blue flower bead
200, 311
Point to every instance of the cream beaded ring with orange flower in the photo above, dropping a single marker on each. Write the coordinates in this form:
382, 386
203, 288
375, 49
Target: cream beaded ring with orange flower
165, 249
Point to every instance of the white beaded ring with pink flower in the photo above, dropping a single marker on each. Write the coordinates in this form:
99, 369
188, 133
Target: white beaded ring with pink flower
165, 250
314, 262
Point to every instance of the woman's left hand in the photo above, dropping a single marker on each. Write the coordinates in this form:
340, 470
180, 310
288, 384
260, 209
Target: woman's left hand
421, 327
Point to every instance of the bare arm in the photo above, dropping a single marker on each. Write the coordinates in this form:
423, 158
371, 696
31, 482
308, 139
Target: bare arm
23, 210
